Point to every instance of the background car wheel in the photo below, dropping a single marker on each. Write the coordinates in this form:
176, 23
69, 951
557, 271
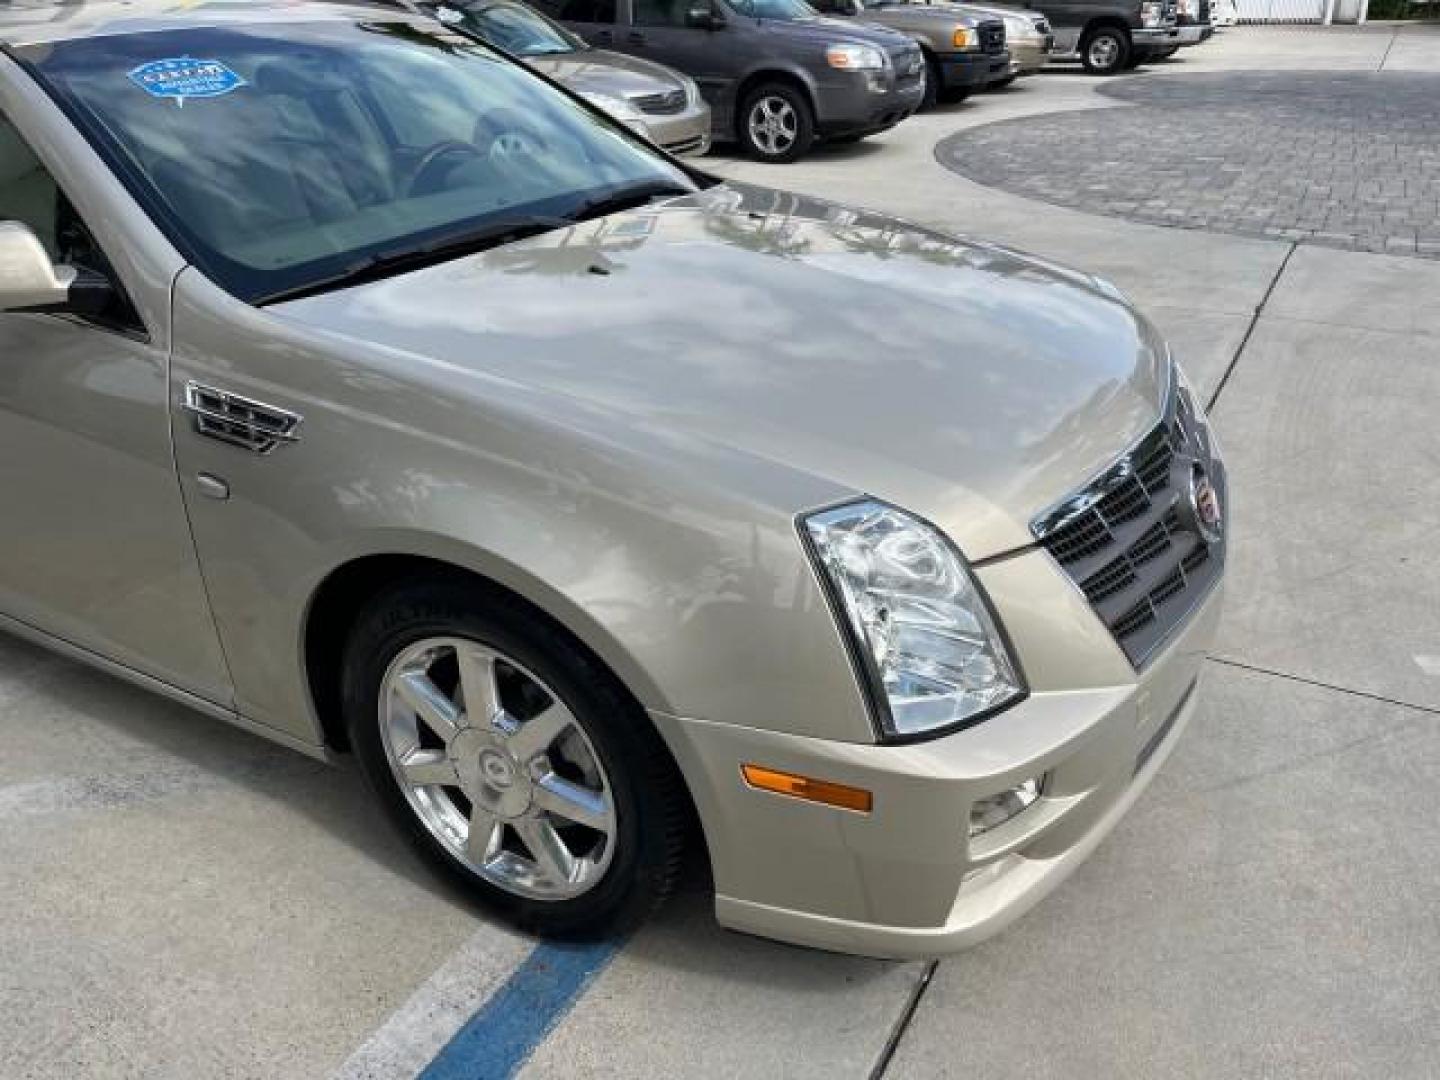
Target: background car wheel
511, 759
1105, 51
931, 96
776, 123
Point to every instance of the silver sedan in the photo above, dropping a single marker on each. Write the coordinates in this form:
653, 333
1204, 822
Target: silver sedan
657, 102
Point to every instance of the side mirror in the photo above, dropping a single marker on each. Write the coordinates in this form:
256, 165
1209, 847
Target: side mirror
29, 281
704, 17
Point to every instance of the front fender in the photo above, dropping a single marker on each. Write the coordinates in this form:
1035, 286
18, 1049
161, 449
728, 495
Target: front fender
700, 599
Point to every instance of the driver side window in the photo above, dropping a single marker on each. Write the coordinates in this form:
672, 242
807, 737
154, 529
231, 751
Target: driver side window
30, 195
661, 12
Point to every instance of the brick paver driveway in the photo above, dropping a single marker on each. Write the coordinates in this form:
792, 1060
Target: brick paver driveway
1346, 160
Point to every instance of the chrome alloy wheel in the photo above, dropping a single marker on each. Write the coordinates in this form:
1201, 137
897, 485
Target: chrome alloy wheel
1104, 51
773, 125
497, 768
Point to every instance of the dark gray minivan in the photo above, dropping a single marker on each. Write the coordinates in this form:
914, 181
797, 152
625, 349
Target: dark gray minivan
777, 75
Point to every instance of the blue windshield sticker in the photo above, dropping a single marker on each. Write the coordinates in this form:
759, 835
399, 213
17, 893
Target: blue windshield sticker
186, 78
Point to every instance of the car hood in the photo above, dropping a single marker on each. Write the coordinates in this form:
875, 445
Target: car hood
596, 71
916, 16
824, 30
962, 381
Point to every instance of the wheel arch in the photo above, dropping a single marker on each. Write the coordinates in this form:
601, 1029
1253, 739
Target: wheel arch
1112, 22
343, 591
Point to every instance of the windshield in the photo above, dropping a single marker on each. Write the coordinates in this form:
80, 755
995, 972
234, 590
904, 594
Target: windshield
785, 10
281, 158
517, 29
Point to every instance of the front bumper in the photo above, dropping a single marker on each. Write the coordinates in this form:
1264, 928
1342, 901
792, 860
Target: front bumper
847, 106
972, 71
1028, 56
1193, 33
1159, 38
905, 881
683, 134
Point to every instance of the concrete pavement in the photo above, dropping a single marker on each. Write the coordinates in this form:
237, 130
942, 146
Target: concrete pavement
185, 900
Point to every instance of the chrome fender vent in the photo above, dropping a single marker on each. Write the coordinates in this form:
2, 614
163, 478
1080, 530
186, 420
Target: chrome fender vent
240, 421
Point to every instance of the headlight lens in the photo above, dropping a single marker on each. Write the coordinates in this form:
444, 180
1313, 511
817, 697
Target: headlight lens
692, 89
1151, 13
854, 57
621, 110
924, 631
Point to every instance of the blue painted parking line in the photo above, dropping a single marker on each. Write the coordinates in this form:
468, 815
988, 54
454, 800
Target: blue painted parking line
496, 1041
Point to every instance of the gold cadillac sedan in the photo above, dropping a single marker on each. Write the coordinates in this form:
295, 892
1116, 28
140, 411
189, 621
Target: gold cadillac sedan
363, 388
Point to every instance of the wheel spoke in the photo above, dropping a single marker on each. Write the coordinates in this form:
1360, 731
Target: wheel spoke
425, 699
572, 802
539, 733
479, 685
551, 854
423, 767
485, 836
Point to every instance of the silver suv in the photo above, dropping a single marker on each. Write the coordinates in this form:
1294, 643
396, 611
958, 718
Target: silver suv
366, 390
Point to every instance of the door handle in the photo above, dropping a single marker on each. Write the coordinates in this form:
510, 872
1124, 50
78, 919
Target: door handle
635, 37
604, 37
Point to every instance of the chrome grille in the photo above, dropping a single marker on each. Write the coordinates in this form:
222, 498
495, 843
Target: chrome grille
666, 104
992, 36
1132, 541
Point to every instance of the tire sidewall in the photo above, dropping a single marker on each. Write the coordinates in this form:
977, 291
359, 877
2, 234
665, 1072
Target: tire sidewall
1122, 53
804, 124
640, 861
932, 84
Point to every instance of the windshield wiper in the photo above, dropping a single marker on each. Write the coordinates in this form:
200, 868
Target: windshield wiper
492, 234
626, 197
385, 264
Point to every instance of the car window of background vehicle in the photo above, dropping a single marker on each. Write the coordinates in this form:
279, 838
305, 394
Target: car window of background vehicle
785, 10
519, 30
580, 11
661, 12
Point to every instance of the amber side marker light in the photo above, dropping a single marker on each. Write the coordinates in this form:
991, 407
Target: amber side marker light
804, 787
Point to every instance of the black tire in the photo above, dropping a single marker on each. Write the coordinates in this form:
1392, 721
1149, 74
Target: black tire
953, 95
781, 96
1001, 84
1105, 50
1167, 52
651, 809
931, 97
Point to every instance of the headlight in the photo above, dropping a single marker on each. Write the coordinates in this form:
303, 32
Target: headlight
923, 632
854, 57
621, 110
1152, 13
692, 89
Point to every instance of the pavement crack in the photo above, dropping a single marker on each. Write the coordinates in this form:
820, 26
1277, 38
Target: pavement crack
902, 1023
1254, 321
1394, 34
1322, 685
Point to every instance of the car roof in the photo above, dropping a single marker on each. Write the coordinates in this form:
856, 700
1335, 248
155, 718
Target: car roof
31, 22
